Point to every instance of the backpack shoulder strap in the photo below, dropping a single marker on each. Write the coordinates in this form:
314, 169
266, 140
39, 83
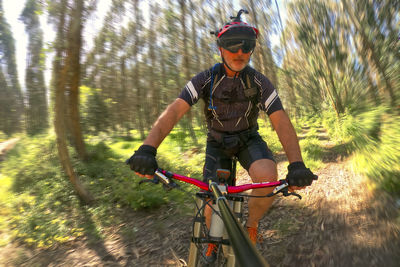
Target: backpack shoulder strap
215, 76
252, 90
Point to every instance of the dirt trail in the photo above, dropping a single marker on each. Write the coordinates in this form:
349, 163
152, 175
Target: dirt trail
339, 222
6, 146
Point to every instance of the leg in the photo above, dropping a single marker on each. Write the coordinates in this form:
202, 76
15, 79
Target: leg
262, 170
258, 160
215, 159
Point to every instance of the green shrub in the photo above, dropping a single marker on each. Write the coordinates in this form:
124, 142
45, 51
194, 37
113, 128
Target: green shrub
269, 135
42, 196
312, 152
3, 136
41, 206
373, 136
379, 160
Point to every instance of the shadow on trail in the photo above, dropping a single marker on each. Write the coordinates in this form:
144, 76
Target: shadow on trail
347, 239
335, 153
95, 242
327, 151
325, 235
296, 233
79, 253
156, 238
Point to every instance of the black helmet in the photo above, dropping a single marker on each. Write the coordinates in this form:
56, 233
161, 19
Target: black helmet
236, 28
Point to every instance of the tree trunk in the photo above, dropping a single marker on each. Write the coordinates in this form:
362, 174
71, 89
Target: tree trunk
372, 89
264, 54
73, 71
125, 98
60, 76
196, 57
155, 90
372, 55
136, 72
186, 67
163, 79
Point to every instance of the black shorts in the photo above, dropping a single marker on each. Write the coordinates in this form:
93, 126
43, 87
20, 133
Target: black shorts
246, 151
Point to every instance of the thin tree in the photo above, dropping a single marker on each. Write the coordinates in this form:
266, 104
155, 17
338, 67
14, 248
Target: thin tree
36, 92
73, 69
186, 66
286, 68
371, 49
60, 76
136, 71
12, 100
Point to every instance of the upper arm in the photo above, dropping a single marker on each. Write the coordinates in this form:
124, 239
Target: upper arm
178, 108
278, 117
270, 101
194, 89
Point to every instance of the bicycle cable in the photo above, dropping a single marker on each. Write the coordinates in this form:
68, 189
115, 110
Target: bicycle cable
203, 225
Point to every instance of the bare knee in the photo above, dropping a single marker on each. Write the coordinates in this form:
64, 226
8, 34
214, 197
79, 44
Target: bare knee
263, 170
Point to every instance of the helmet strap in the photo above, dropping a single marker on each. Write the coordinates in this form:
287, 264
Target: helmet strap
226, 64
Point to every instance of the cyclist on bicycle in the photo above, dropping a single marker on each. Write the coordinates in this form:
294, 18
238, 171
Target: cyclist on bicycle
234, 93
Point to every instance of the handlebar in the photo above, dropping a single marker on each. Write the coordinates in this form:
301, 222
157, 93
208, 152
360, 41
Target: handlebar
166, 178
245, 252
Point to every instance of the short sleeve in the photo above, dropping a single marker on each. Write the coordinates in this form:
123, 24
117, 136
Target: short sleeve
270, 101
194, 89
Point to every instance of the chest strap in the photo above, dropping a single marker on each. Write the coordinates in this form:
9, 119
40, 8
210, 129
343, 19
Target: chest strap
231, 139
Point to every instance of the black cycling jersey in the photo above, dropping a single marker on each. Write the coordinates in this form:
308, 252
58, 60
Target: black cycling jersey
234, 112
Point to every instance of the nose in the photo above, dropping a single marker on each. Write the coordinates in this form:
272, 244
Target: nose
240, 51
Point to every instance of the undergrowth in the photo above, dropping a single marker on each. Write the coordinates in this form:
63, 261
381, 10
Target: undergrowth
372, 137
38, 203
39, 206
3, 136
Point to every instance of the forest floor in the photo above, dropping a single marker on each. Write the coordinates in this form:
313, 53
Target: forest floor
340, 221
6, 146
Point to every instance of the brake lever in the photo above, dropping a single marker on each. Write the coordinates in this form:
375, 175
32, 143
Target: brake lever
286, 193
154, 180
158, 177
171, 186
284, 189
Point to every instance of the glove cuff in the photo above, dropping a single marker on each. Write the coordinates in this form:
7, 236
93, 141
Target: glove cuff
148, 149
296, 165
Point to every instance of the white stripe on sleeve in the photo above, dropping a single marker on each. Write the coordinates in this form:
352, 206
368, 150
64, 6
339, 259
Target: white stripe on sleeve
191, 90
270, 100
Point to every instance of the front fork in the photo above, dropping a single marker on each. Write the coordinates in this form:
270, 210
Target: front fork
228, 250
194, 254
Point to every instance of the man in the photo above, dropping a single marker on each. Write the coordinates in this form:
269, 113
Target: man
234, 93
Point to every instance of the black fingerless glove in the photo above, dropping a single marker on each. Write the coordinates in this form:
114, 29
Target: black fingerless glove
299, 175
143, 160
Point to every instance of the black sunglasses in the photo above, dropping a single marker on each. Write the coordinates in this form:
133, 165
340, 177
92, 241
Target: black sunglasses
233, 45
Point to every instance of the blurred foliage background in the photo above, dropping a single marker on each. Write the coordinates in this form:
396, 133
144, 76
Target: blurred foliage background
337, 66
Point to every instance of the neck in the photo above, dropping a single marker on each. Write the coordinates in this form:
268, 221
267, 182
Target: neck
229, 72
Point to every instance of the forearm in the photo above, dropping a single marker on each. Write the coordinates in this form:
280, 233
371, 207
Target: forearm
161, 128
287, 135
166, 122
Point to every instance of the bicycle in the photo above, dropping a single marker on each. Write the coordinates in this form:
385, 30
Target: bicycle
226, 230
